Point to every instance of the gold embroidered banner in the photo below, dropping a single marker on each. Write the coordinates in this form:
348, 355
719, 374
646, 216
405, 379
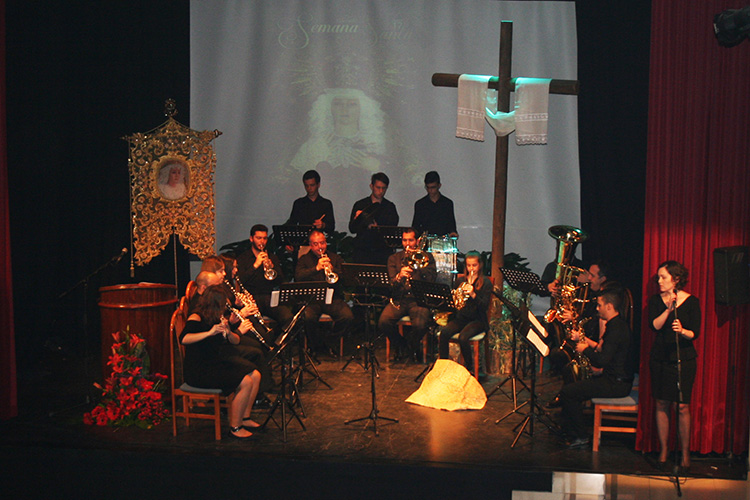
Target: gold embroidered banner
172, 188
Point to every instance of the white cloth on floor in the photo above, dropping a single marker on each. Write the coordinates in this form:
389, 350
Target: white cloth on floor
449, 386
532, 104
472, 94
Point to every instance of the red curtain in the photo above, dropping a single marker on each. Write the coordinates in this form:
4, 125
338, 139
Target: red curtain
8, 394
697, 199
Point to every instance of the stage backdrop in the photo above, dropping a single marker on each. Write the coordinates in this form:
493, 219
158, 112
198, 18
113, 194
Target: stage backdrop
266, 74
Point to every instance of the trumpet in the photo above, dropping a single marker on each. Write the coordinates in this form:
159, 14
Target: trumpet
268, 271
331, 276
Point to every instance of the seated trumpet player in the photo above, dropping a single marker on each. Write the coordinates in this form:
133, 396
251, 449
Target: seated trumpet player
320, 265
409, 264
259, 271
471, 298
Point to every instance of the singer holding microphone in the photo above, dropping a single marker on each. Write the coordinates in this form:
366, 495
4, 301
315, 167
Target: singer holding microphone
675, 316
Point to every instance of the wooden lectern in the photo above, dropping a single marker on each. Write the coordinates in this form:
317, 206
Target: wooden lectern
144, 307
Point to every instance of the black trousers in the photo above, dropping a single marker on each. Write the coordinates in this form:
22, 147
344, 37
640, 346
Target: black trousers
339, 312
573, 395
466, 329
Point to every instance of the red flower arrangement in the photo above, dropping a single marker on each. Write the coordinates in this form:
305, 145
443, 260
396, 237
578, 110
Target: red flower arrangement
130, 395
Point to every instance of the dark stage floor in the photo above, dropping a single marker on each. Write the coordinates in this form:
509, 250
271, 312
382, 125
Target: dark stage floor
47, 449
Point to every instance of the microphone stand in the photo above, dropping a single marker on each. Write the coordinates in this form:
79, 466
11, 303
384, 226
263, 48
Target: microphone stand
85, 318
678, 447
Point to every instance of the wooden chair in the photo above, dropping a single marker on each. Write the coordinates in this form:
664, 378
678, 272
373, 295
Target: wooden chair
617, 409
402, 323
192, 398
324, 318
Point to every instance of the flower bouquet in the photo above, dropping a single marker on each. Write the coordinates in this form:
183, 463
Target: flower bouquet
130, 395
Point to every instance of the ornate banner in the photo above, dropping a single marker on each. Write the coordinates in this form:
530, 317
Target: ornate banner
171, 188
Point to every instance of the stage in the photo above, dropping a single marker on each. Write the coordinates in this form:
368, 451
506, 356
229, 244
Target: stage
47, 449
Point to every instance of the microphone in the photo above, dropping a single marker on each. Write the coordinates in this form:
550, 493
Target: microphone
121, 255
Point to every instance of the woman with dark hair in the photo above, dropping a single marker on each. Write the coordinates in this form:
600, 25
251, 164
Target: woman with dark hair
675, 316
470, 319
211, 360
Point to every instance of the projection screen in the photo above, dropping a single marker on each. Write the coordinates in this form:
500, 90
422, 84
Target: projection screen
265, 73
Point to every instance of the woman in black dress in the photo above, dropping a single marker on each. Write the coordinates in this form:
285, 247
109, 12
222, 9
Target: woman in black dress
675, 316
212, 360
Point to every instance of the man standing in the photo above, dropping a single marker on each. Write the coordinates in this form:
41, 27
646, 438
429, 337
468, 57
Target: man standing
367, 213
255, 266
317, 265
611, 355
403, 302
313, 209
433, 214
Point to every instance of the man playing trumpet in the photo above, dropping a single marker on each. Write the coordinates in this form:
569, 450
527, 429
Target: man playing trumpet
320, 265
471, 298
401, 272
260, 272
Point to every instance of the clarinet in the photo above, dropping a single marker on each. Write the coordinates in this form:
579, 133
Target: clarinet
247, 300
252, 328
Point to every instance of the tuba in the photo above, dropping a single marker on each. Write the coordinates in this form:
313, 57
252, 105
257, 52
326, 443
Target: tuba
567, 275
417, 258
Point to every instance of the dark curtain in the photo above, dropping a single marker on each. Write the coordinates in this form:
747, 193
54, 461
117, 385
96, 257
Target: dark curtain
698, 175
8, 396
81, 76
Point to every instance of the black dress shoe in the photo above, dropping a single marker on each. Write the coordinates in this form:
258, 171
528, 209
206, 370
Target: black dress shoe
555, 403
578, 443
262, 403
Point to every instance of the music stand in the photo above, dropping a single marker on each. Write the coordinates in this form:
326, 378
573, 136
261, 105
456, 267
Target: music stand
522, 322
292, 235
294, 294
434, 296
282, 342
526, 283
391, 234
367, 276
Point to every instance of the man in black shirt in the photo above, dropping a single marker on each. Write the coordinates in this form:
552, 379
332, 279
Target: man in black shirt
611, 355
433, 214
317, 265
403, 303
252, 267
313, 209
367, 213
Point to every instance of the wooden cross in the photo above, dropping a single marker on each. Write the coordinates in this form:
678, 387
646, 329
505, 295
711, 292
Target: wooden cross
504, 85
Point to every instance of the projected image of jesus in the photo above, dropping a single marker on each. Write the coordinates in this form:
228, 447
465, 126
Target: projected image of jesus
346, 133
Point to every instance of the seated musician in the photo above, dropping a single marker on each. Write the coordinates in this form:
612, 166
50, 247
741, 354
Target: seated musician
260, 272
561, 358
202, 281
403, 302
471, 316
611, 354
317, 265
367, 213
211, 361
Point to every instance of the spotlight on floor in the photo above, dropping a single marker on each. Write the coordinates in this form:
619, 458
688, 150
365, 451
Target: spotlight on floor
732, 26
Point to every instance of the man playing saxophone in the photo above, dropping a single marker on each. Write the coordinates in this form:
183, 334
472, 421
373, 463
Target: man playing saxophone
471, 298
409, 264
259, 271
320, 265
